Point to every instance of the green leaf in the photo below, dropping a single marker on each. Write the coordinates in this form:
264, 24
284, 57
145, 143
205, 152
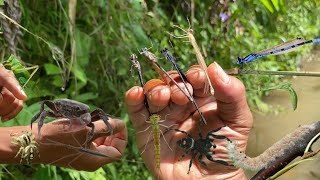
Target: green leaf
276, 4
80, 74
83, 45
293, 94
86, 96
268, 5
51, 69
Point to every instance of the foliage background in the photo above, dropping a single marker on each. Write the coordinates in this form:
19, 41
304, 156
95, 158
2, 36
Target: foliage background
106, 33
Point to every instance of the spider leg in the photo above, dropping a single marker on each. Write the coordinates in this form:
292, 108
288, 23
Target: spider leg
201, 161
190, 164
217, 136
178, 130
100, 114
183, 155
209, 157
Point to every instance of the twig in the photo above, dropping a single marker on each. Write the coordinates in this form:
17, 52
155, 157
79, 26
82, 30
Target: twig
278, 155
236, 71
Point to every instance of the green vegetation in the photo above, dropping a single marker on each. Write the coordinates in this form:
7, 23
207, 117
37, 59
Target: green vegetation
96, 52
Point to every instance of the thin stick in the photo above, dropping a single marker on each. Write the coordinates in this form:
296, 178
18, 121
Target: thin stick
237, 71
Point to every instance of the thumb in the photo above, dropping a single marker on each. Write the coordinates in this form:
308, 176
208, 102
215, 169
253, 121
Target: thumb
8, 80
101, 129
231, 98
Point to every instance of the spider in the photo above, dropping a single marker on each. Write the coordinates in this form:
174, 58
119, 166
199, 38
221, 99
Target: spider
28, 146
200, 146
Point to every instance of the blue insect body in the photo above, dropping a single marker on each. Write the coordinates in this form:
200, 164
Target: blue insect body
276, 50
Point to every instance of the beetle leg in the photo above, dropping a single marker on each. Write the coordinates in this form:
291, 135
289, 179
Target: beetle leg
100, 114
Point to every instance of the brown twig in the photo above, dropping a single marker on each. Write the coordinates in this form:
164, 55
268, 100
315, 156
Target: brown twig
278, 155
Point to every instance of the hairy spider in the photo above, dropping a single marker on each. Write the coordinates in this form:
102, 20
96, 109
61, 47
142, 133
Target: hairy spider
28, 146
200, 146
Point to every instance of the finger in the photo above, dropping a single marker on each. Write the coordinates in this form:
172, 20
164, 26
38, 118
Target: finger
158, 95
197, 78
9, 104
179, 95
231, 99
13, 113
134, 99
1, 97
101, 129
8, 80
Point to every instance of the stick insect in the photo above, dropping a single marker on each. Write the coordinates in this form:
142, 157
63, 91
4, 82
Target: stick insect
152, 58
21, 72
201, 62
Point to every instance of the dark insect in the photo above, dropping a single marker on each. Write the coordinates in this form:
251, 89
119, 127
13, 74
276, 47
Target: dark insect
200, 146
184, 79
72, 110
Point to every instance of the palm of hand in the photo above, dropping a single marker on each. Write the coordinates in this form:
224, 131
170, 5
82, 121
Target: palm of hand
229, 109
175, 156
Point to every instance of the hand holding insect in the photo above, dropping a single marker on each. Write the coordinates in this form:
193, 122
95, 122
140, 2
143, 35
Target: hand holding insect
64, 147
229, 108
11, 95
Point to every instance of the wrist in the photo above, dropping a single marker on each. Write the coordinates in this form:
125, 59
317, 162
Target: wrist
8, 149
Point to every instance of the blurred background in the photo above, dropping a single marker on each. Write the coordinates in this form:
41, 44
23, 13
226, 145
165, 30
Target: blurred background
83, 48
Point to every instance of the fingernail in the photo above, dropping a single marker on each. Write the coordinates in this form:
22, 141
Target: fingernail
22, 91
222, 75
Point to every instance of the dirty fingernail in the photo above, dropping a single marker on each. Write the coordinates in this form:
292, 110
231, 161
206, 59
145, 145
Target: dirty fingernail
222, 75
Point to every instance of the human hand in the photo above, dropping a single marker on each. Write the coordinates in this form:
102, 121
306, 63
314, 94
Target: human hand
229, 108
60, 147
11, 95
112, 146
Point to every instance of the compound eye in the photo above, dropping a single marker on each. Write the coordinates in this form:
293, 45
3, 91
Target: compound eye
78, 108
